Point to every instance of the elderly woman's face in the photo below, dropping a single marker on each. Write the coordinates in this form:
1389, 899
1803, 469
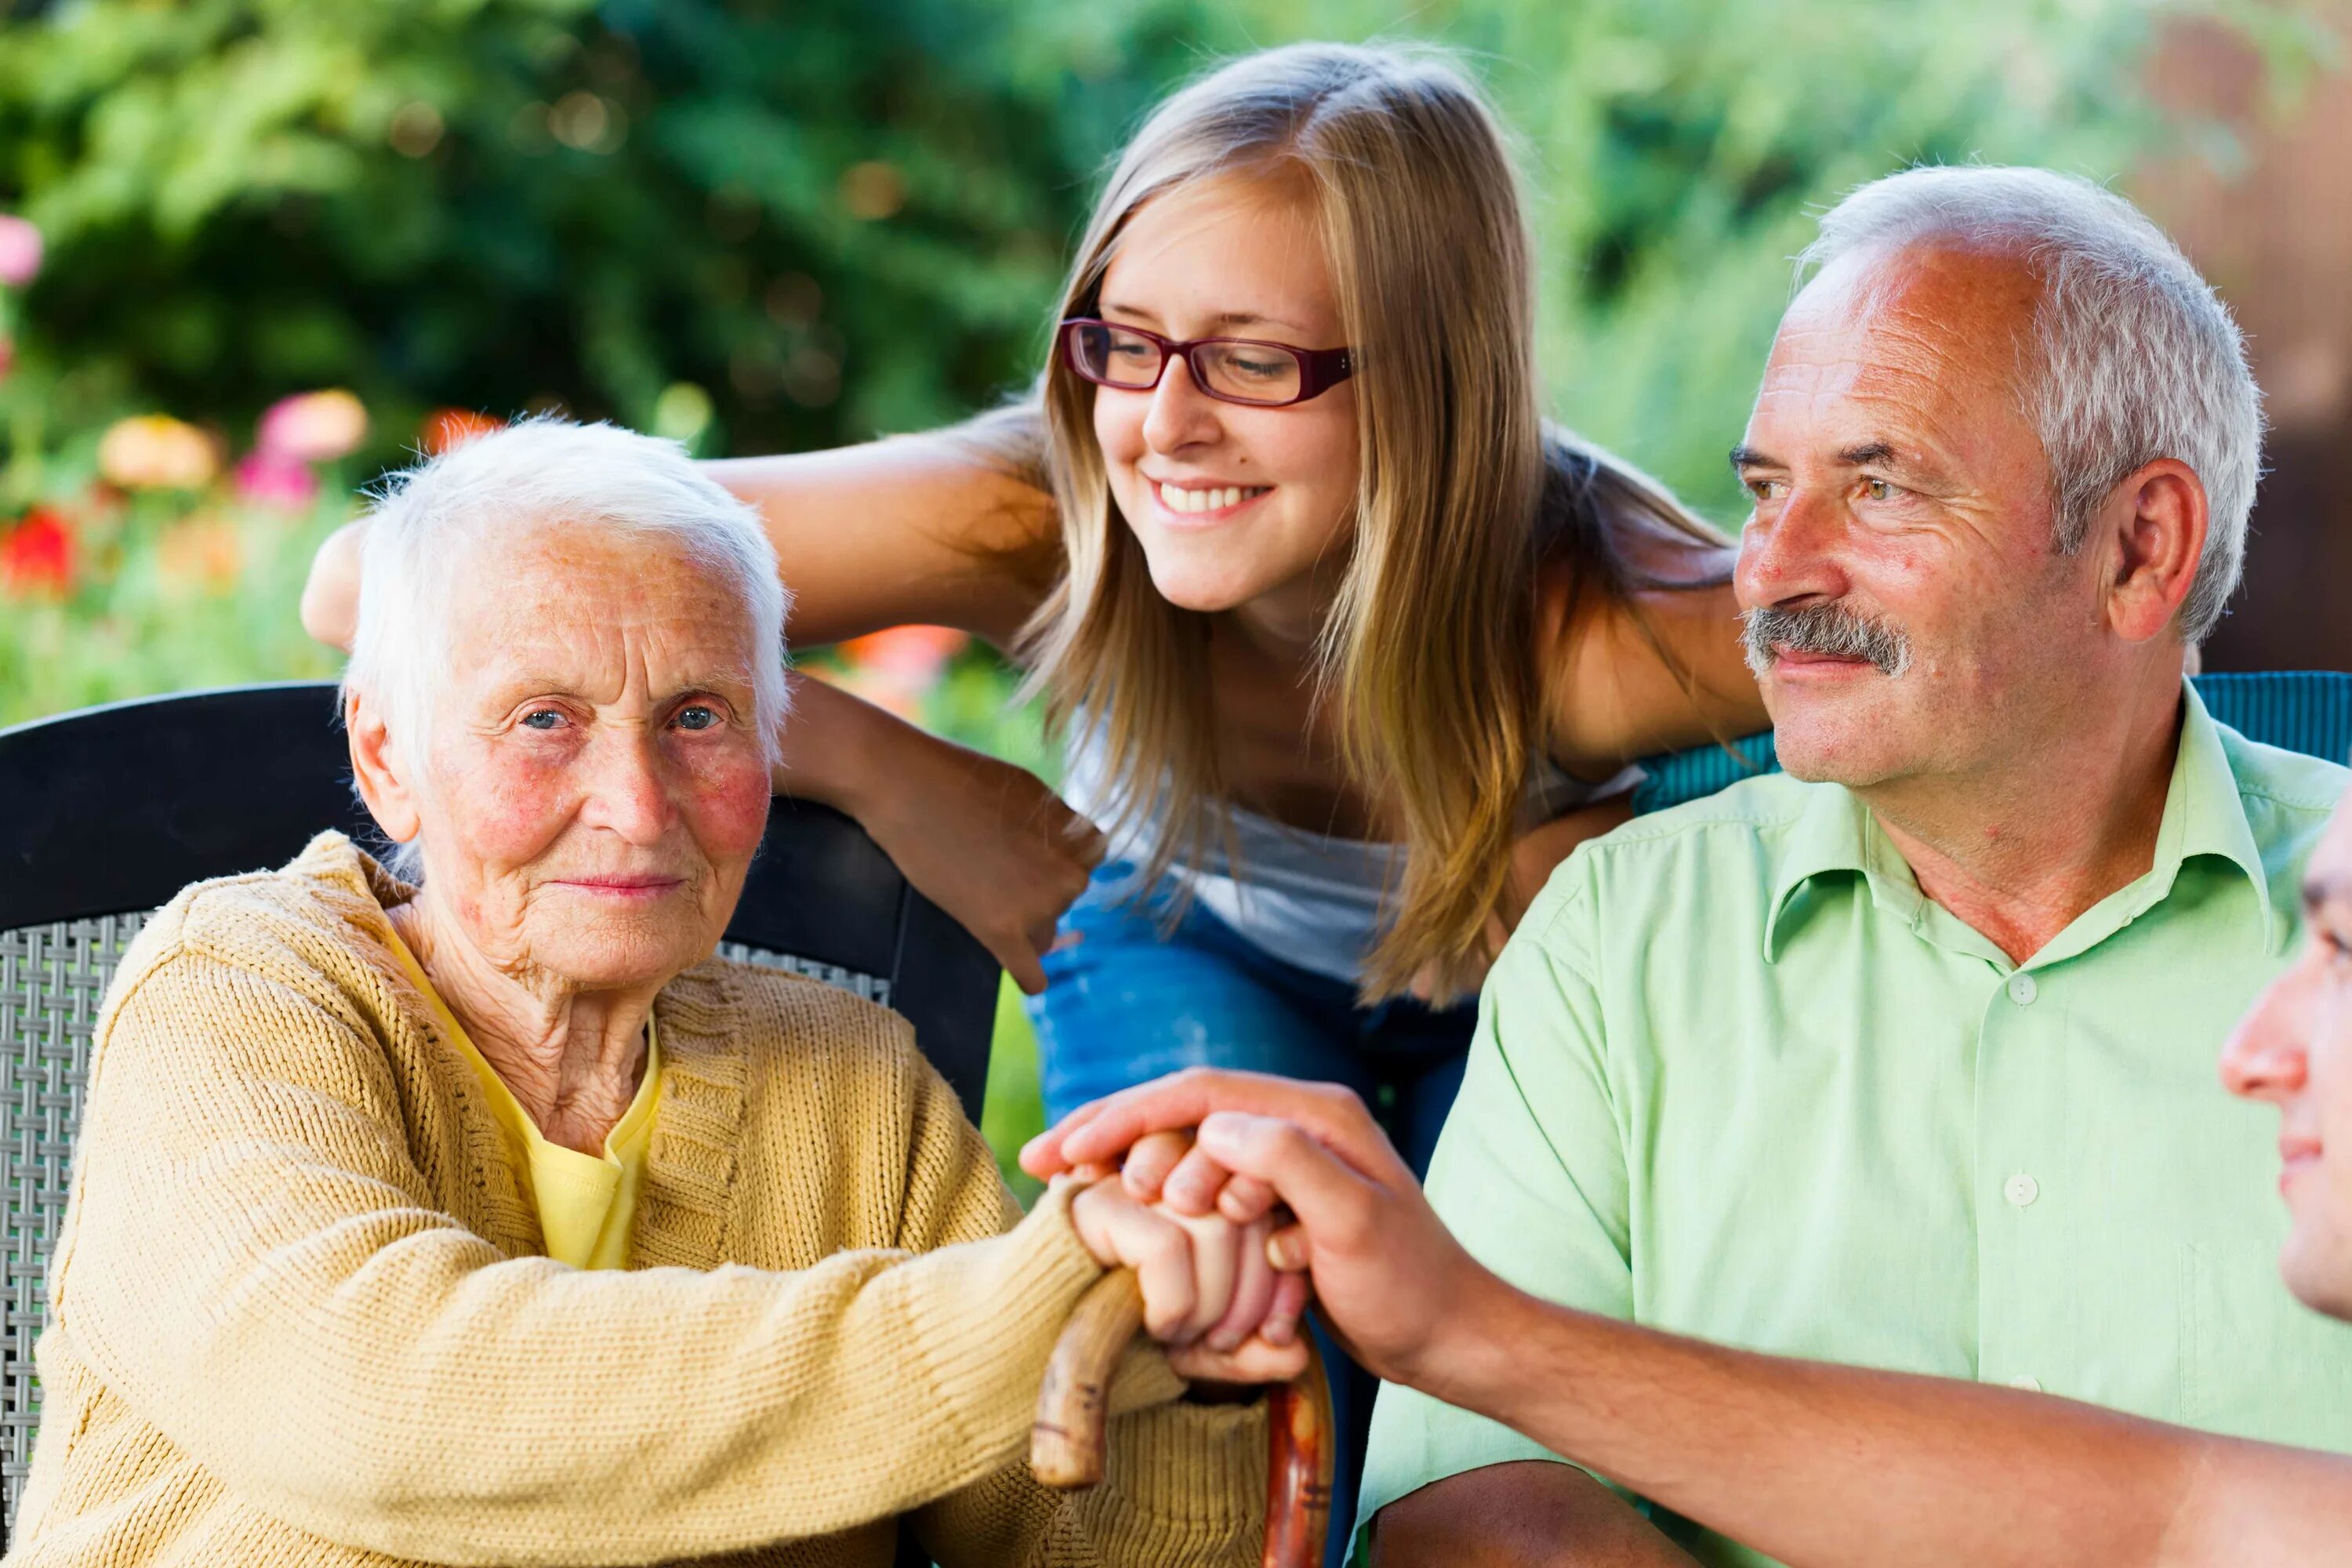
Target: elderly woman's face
596, 784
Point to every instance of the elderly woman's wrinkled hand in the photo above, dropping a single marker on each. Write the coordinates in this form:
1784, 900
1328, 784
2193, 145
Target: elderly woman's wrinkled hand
1209, 1292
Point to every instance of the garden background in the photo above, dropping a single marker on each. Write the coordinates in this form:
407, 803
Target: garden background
254, 252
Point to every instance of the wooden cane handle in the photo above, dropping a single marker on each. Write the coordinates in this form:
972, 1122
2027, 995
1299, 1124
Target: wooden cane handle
1071, 1434
1071, 1437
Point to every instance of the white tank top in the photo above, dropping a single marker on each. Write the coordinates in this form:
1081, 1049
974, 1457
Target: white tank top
1306, 898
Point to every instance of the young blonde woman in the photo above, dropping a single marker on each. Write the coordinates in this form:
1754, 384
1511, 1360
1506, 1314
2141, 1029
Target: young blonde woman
1341, 633
1347, 643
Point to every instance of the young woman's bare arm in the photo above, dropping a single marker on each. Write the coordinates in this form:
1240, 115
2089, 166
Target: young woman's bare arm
918, 530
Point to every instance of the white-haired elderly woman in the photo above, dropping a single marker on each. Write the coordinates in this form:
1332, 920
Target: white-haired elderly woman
490, 1220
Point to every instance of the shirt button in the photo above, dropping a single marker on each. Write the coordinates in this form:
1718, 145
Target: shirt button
2020, 1189
2030, 1384
2023, 990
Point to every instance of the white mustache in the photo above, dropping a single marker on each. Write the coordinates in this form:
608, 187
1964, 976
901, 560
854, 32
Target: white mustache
1830, 629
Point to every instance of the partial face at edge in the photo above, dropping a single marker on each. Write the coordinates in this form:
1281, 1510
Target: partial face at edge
1230, 504
596, 784
1897, 477
2295, 1051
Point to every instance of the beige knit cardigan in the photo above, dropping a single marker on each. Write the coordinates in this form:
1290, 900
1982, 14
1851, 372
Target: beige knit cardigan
300, 1313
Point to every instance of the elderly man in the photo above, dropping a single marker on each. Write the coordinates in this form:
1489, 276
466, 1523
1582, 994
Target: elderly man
1904, 1059
1829, 1467
491, 1220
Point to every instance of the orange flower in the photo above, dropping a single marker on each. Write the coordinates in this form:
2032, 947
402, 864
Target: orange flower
37, 556
909, 653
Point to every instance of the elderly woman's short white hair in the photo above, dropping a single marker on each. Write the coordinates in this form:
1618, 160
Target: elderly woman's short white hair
2138, 357
440, 518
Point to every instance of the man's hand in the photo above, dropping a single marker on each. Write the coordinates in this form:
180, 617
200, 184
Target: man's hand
1398, 1290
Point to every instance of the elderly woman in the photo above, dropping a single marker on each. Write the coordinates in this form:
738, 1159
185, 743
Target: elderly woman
490, 1220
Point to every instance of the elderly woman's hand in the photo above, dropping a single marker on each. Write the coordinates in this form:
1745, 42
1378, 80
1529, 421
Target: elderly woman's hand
1209, 1292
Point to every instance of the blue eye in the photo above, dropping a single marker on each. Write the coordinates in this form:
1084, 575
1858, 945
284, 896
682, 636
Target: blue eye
542, 719
697, 717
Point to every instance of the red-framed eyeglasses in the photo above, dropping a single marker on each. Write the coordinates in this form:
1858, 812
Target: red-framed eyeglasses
1232, 370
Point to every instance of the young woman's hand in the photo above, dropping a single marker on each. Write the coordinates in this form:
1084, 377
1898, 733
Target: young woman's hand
985, 840
1535, 855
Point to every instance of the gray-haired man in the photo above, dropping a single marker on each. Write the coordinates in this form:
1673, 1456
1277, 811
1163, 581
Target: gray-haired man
1910, 1066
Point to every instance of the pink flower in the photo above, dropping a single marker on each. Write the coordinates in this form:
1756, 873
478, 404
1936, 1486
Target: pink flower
20, 251
267, 480
314, 426
37, 556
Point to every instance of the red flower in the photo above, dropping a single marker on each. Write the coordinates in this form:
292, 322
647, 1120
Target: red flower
37, 556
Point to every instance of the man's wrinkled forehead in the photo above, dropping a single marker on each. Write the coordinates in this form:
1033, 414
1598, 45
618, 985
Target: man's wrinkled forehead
1932, 337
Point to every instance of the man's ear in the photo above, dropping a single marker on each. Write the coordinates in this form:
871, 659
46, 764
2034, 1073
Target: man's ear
382, 768
2155, 523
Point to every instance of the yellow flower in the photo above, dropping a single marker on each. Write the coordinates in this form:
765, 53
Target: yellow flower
155, 451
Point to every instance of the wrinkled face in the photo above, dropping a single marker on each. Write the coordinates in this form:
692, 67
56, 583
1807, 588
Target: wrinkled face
596, 784
1232, 504
2294, 1050
1909, 613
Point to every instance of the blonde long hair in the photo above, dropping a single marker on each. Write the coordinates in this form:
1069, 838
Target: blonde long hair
1428, 654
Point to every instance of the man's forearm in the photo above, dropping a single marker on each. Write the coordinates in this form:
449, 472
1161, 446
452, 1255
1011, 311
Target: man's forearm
1828, 1465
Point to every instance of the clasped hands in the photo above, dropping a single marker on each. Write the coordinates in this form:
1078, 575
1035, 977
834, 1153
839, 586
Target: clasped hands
1218, 1291
1285, 1184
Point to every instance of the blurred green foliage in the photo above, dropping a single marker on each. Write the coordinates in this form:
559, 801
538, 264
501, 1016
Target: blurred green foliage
768, 225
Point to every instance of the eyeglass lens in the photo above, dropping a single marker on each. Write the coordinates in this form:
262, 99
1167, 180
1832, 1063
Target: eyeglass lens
1245, 373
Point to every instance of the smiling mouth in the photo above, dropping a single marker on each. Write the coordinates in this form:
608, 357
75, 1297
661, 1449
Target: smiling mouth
1212, 498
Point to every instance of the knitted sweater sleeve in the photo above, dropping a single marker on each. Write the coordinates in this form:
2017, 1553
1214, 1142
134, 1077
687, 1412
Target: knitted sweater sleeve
252, 1261
1184, 1483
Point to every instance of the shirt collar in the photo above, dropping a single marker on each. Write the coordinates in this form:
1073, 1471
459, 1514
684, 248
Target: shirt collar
2203, 815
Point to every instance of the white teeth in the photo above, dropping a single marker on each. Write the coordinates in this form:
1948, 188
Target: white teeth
1215, 500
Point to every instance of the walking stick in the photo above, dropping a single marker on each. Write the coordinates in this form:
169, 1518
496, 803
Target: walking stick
1071, 1437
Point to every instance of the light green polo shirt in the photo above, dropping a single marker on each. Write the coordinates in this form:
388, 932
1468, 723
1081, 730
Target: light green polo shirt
1736, 1077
